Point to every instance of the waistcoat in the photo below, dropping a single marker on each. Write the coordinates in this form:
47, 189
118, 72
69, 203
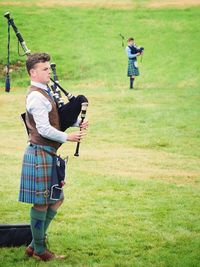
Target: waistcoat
34, 136
134, 49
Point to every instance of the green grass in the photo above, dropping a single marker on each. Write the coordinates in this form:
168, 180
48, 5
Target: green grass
132, 198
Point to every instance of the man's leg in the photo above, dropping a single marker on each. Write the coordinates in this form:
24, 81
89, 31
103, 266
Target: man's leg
38, 218
132, 78
51, 213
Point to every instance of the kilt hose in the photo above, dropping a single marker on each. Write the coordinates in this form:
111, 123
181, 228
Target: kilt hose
132, 68
36, 175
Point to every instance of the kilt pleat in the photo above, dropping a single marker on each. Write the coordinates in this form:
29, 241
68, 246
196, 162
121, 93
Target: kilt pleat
132, 69
36, 175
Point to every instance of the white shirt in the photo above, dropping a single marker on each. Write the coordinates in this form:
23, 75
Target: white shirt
128, 52
39, 106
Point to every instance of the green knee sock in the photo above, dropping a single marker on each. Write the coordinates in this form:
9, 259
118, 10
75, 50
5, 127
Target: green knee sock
37, 229
49, 217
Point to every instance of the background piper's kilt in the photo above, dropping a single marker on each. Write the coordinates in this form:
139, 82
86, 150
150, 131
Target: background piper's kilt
132, 69
36, 175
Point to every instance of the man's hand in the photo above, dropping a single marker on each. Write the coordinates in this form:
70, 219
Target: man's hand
84, 125
76, 137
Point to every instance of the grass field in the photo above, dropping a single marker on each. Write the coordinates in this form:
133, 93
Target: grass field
132, 198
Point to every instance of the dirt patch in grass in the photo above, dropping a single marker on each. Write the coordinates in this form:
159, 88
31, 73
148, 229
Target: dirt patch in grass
115, 4
136, 163
85, 4
173, 3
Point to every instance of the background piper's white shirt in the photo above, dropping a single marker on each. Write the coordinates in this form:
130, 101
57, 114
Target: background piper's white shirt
128, 52
39, 106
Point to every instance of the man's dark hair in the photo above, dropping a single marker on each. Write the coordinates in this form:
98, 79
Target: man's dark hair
130, 39
36, 58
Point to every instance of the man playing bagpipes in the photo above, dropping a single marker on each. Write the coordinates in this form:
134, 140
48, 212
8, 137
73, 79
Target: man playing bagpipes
45, 137
133, 52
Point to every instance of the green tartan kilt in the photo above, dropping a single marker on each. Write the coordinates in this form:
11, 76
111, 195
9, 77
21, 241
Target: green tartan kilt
36, 175
132, 69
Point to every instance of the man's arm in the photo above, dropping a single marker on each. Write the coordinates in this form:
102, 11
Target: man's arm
39, 107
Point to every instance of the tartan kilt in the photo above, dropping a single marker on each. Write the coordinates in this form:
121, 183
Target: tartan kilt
36, 175
132, 69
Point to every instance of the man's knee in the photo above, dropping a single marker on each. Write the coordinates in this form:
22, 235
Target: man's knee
61, 201
56, 205
40, 207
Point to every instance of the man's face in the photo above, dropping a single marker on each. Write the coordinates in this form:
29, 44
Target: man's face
41, 72
131, 42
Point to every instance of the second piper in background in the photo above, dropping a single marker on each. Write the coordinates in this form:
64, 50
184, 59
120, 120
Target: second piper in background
133, 52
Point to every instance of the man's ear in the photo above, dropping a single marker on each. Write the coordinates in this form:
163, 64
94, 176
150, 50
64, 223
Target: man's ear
32, 72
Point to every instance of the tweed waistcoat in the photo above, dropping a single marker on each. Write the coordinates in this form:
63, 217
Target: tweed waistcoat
34, 136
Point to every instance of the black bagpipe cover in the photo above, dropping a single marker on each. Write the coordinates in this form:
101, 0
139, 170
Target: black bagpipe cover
15, 235
69, 112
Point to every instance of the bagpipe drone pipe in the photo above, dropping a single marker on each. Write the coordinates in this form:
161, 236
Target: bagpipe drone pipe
68, 112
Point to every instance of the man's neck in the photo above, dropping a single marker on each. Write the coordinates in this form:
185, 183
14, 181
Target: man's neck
39, 85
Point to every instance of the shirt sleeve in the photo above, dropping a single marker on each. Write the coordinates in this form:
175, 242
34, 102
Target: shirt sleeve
128, 52
39, 106
77, 123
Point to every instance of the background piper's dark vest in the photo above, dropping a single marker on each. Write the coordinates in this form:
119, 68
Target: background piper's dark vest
134, 49
34, 136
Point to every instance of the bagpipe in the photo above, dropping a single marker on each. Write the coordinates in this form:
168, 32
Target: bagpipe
134, 49
68, 112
